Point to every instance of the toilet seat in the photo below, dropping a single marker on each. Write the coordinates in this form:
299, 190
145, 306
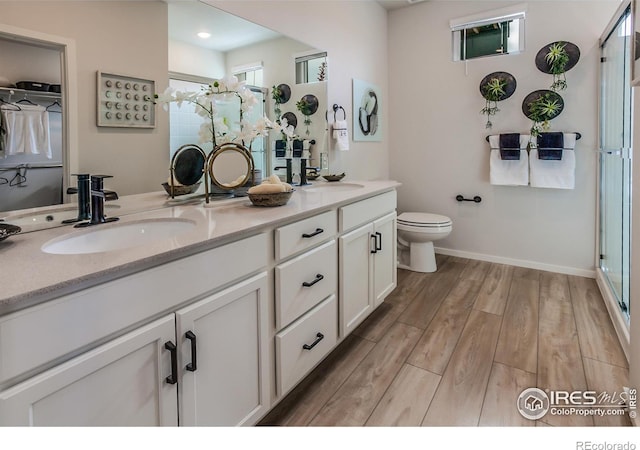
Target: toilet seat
423, 220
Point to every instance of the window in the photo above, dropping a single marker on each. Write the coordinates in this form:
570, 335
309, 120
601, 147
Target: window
251, 73
311, 68
494, 33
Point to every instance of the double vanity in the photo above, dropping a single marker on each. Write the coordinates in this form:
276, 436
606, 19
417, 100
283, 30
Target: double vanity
181, 314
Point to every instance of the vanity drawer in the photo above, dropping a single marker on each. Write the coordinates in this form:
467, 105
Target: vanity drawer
304, 281
365, 211
304, 234
305, 343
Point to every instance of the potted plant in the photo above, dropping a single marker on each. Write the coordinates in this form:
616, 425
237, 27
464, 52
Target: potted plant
307, 105
541, 107
495, 87
557, 58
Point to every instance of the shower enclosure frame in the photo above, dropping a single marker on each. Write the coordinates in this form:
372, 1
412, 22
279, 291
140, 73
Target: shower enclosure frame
618, 317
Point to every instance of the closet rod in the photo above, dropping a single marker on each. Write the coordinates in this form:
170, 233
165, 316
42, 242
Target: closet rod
41, 94
29, 166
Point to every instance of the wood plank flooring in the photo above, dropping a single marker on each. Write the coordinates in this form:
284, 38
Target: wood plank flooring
458, 346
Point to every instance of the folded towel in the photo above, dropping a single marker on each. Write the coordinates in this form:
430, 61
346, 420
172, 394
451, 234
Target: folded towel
508, 172
557, 174
341, 134
281, 148
553, 139
509, 140
494, 141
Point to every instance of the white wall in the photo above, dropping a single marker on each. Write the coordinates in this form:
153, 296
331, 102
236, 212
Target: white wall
186, 58
354, 34
438, 147
121, 37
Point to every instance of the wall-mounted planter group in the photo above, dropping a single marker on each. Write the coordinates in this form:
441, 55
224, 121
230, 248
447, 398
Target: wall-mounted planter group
541, 105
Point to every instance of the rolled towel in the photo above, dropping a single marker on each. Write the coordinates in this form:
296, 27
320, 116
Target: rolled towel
267, 188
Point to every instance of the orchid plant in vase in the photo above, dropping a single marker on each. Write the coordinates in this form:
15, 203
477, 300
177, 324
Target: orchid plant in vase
217, 127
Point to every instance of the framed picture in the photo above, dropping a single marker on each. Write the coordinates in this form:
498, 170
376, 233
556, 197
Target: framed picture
366, 111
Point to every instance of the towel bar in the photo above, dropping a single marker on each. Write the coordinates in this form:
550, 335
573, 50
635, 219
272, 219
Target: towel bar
578, 136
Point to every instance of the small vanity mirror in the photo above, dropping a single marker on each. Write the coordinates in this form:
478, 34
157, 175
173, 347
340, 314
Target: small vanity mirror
230, 166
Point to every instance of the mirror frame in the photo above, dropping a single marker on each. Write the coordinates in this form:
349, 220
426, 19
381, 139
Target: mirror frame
219, 150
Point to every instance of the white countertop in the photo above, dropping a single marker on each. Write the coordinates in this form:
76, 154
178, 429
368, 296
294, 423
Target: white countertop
30, 276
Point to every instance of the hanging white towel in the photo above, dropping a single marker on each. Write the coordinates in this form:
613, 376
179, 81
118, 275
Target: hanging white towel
27, 130
341, 134
508, 172
556, 174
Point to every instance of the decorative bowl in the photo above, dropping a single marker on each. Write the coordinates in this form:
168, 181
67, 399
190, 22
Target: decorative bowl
7, 230
333, 177
277, 199
181, 190
312, 176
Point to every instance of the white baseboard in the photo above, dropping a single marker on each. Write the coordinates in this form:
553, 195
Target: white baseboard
518, 262
616, 315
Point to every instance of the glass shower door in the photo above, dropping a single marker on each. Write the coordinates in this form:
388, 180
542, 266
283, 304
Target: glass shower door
615, 170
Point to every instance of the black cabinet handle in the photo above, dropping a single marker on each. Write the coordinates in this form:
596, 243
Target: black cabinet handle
315, 233
378, 241
173, 378
193, 365
319, 337
319, 277
375, 243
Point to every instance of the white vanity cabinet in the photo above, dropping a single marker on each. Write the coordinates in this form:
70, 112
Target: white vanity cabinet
121, 383
151, 375
367, 258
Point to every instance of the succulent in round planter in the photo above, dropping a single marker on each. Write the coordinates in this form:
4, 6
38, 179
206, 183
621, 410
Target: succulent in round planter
556, 59
541, 106
307, 105
495, 87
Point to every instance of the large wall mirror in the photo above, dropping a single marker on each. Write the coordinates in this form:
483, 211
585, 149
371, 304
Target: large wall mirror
263, 57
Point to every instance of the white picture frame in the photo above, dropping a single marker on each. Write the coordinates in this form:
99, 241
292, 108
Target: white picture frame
367, 109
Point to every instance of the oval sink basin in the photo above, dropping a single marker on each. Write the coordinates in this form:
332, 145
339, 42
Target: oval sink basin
333, 187
117, 237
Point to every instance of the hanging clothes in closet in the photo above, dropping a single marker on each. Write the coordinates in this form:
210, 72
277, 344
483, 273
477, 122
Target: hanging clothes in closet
26, 130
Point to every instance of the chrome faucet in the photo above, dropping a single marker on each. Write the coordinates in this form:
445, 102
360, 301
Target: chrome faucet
98, 197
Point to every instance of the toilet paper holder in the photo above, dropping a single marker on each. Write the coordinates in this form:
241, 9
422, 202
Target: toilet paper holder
476, 199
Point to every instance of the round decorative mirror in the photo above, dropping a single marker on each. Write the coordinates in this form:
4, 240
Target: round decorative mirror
187, 168
230, 166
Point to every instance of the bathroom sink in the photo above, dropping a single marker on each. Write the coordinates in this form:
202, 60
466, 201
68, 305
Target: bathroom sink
106, 238
333, 187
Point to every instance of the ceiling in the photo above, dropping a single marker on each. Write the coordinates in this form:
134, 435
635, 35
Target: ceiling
228, 32
186, 19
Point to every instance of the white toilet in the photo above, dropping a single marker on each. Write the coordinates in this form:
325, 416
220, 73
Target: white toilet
416, 233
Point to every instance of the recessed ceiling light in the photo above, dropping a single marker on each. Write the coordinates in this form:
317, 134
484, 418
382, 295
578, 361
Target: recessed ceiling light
204, 35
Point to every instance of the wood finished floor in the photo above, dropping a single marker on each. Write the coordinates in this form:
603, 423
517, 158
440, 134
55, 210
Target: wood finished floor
456, 348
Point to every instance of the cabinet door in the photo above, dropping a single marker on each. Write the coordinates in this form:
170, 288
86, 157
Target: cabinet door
355, 280
385, 258
225, 337
121, 383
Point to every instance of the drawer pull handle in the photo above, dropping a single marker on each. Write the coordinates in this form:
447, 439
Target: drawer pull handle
319, 277
374, 243
173, 378
193, 365
315, 233
319, 337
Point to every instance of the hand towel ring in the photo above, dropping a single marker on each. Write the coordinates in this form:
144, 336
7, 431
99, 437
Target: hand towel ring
336, 107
